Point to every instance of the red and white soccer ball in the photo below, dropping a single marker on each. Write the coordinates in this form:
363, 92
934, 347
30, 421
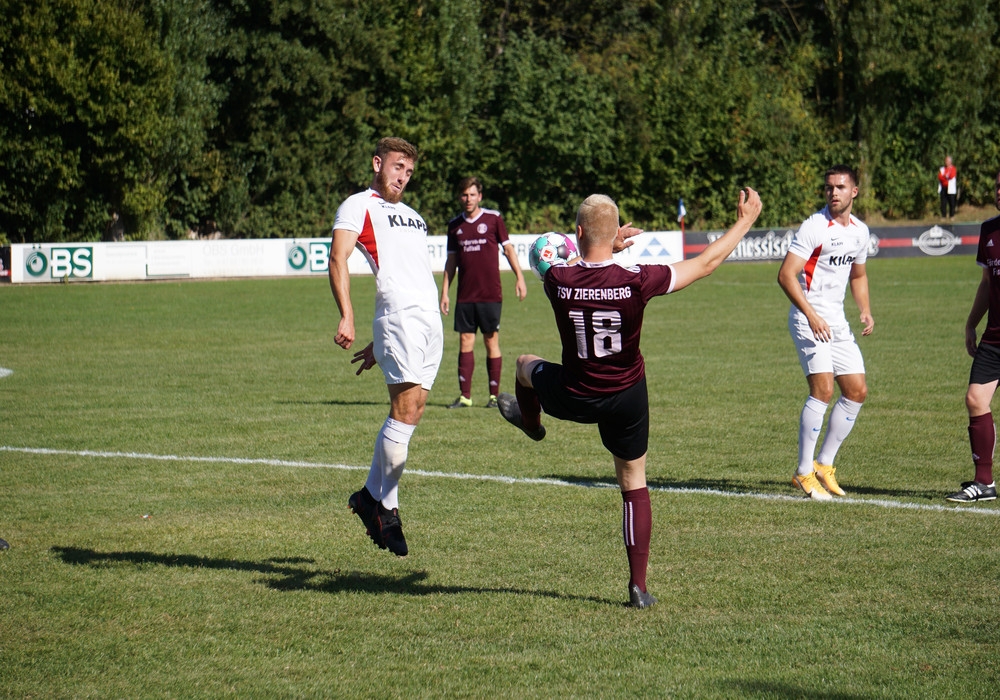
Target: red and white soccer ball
547, 250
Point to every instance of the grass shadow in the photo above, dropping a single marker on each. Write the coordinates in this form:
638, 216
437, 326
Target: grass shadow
766, 689
743, 487
334, 402
294, 574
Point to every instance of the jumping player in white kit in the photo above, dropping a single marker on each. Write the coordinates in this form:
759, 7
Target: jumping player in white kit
407, 330
827, 254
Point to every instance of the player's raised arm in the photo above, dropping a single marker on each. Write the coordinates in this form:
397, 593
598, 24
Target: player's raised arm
341, 248
748, 208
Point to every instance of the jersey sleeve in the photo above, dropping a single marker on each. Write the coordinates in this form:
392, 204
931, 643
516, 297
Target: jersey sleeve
656, 280
862, 256
502, 237
805, 241
981, 258
351, 214
452, 244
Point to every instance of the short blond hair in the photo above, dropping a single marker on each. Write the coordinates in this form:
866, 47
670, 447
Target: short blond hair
598, 216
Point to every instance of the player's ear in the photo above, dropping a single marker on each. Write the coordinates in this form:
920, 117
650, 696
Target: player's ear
376, 163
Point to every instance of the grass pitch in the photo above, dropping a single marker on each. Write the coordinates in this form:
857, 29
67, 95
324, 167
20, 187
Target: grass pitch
175, 461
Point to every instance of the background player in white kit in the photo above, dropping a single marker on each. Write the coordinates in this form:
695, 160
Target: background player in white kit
827, 254
408, 335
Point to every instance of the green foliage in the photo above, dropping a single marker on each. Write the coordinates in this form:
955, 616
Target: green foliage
257, 117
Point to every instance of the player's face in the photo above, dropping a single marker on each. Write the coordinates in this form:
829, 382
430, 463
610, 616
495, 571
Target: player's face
470, 199
997, 192
840, 193
392, 173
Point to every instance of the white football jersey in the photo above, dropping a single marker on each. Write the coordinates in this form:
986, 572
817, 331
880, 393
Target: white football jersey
829, 250
393, 238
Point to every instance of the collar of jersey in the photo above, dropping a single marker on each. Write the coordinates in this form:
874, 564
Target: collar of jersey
603, 263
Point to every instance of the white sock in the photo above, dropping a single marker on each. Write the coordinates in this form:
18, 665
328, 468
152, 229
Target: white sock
394, 446
374, 482
842, 419
810, 424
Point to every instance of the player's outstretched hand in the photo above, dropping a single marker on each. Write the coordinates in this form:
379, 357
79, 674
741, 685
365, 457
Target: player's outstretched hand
366, 356
624, 234
749, 205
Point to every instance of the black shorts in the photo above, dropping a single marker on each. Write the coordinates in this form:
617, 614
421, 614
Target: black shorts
622, 418
472, 316
986, 364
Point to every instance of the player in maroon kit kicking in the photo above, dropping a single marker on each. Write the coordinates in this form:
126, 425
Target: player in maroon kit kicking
599, 306
474, 237
985, 370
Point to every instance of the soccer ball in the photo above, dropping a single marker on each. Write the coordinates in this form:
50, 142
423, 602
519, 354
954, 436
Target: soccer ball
548, 249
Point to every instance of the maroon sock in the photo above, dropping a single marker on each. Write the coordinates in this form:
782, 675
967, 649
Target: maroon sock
637, 526
983, 437
466, 365
531, 410
493, 367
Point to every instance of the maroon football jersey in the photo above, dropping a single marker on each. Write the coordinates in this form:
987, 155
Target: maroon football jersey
599, 309
989, 258
477, 244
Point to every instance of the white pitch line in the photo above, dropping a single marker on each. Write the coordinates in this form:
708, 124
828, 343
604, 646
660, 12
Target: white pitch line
882, 503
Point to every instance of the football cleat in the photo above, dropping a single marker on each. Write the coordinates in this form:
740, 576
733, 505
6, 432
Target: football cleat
4, 545
811, 486
639, 599
461, 402
825, 475
492, 403
973, 491
511, 410
392, 531
364, 505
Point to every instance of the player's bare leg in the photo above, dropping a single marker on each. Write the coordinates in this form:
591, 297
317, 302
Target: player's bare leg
637, 526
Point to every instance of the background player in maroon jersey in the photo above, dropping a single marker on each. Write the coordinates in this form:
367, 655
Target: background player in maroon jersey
474, 238
986, 366
599, 307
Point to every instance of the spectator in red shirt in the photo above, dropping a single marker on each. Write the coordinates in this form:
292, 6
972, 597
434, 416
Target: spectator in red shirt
948, 188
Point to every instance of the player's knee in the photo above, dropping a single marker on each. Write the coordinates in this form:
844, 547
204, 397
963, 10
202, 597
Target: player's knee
858, 394
977, 401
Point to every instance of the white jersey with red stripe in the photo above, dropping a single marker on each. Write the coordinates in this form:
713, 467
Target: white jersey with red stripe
393, 238
830, 250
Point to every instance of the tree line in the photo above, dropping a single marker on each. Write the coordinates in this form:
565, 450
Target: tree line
150, 119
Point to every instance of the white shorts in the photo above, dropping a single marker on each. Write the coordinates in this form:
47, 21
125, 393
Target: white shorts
841, 355
408, 346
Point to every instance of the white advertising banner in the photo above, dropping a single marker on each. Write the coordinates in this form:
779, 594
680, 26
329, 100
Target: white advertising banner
151, 260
